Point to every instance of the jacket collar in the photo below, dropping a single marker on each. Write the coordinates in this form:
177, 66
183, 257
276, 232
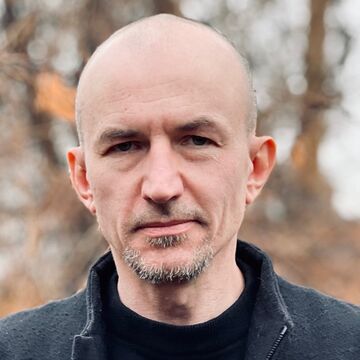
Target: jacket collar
89, 344
270, 322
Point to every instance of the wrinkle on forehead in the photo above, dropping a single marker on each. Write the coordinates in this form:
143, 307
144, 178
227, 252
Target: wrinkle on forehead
174, 43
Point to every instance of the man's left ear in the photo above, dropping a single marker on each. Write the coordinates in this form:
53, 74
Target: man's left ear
262, 155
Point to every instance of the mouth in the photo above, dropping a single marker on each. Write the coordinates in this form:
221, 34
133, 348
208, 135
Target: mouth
160, 228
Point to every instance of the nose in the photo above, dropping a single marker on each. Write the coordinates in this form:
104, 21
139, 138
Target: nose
162, 180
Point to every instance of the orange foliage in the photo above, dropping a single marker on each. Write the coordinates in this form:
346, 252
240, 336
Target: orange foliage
53, 97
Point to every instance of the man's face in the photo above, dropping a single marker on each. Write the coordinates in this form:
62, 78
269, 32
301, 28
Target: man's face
167, 161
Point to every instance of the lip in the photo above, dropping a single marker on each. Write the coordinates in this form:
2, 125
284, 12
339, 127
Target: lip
173, 227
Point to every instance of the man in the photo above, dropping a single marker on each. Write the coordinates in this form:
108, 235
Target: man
168, 161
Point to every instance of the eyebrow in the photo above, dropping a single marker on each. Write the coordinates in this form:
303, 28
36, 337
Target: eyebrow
200, 123
109, 136
112, 134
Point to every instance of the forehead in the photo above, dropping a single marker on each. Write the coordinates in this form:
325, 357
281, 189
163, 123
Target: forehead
185, 72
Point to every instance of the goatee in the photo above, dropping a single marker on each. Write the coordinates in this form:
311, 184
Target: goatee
169, 274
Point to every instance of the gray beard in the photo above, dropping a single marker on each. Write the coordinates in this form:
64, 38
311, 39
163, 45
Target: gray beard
161, 275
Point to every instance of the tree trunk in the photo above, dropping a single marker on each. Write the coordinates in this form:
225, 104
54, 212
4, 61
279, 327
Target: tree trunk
314, 102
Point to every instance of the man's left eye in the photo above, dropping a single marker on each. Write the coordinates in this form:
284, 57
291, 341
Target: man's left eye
198, 140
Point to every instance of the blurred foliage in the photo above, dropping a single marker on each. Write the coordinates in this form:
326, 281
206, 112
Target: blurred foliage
48, 240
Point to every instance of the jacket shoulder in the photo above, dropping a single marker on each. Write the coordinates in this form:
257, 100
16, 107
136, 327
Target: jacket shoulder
311, 301
326, 325
35, 333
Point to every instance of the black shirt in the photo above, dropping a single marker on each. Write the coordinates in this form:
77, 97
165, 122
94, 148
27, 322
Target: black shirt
132, 337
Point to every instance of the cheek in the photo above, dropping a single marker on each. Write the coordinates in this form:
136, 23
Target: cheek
110, 186
223, 189
110, 193
234, 184
103, 187
235, 176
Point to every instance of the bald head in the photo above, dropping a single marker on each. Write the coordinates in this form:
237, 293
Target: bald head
170, 45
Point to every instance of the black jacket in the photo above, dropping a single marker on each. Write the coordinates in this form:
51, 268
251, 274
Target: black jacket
289, 322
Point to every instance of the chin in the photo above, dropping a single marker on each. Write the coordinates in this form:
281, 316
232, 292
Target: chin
161, 264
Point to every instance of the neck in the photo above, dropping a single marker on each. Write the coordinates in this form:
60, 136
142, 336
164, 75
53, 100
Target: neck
196, 301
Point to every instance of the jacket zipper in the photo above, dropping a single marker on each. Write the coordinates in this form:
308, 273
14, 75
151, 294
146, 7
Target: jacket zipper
277, 343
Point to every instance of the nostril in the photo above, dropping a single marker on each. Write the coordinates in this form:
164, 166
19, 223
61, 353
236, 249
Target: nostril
162, 190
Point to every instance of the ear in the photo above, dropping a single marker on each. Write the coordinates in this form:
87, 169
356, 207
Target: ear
262, 155
78, 177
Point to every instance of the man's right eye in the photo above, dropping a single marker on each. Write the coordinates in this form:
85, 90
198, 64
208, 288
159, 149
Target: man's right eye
124, 147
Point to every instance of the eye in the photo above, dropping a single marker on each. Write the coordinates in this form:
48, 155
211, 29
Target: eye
125, 147
198, 140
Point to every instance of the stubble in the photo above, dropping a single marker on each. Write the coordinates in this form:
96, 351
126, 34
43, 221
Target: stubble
161, 274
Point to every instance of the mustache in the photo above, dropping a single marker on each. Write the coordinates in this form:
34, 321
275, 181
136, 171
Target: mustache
172, 213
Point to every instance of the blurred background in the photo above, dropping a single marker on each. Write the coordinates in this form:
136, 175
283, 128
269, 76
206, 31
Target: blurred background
305, 56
